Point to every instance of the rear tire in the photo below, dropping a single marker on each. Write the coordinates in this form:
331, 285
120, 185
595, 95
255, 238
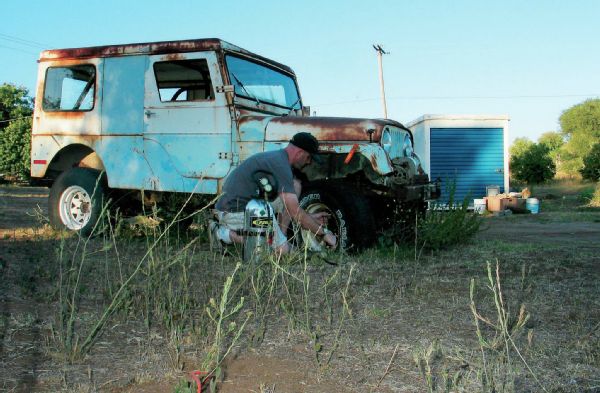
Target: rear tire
76, 199
351, 217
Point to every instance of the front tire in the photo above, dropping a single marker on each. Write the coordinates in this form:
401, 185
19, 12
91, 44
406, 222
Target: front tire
76, 199
351, 217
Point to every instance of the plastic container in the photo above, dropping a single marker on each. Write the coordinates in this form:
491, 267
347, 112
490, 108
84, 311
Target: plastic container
491, 191
533, 205
479, 206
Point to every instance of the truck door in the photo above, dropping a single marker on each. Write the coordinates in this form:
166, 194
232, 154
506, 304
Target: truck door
187, 125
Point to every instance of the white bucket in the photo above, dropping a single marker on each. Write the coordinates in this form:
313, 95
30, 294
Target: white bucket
479, 206
533, 205
492, 190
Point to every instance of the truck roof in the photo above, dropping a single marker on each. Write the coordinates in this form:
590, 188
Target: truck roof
152, 48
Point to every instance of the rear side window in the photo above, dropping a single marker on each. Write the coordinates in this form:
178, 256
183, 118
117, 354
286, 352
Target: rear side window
70, 88
183, 80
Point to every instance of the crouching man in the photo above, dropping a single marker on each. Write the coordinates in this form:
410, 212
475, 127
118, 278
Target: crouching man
240, 187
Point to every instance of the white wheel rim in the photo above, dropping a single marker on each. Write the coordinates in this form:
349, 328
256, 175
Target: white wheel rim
75, 207
309, 238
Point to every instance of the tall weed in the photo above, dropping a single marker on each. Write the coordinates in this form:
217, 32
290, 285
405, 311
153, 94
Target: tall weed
449, 225
497, 362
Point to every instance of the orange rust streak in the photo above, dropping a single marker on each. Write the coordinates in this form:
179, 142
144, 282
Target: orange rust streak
66, 114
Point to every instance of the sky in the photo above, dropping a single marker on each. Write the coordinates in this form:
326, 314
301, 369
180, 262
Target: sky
530, 60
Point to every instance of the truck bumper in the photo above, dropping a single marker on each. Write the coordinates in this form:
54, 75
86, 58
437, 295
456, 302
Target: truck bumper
414, 192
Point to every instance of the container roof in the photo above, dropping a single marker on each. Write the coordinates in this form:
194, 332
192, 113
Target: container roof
457, 118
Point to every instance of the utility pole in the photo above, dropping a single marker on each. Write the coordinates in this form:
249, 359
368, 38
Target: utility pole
380, 53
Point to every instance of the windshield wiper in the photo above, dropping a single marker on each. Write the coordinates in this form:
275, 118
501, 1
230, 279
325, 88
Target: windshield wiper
239, 82
292, 107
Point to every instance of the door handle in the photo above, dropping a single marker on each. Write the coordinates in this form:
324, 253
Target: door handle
499, 170
149, 113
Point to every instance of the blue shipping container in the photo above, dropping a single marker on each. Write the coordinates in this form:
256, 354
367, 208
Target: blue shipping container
467, 153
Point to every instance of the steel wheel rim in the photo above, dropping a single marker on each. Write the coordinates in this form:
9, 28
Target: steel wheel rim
75, 207
309, 238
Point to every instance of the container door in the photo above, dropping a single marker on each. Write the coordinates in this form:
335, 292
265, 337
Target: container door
187, 129
467, 160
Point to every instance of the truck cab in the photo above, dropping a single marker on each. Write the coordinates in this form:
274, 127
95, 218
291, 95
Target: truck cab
179, 116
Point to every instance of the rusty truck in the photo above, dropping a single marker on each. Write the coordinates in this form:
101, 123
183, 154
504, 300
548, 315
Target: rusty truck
178, 116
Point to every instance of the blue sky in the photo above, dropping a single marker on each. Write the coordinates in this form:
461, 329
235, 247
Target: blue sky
527, 59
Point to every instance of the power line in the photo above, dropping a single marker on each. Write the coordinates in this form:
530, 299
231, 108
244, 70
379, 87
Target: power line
22, 41
18, 50
463, 98
16, 118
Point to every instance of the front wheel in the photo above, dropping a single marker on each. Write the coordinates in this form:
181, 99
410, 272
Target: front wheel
76, 199
351, 219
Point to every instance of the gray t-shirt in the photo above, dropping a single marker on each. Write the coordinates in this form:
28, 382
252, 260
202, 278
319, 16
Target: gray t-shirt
240, 186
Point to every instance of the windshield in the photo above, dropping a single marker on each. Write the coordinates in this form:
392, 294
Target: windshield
262, 84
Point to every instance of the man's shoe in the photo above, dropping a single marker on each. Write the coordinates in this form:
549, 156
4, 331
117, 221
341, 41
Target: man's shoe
215, 244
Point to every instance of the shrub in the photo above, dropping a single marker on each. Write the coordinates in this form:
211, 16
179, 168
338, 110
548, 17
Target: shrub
15, 146
595, 200
591, 164
533, 165
15, 128
446, 227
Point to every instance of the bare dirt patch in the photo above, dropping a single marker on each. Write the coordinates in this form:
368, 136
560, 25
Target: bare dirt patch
535, 229
20, 210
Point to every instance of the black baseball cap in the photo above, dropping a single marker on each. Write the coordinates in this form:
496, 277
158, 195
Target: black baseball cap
308, 143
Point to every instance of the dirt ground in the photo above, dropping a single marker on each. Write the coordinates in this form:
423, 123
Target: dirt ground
376, 351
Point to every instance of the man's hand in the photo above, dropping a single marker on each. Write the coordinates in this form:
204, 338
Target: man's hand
321, 217
330, 240
313, 222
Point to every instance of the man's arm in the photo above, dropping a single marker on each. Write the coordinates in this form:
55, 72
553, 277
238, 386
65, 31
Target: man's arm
306, 221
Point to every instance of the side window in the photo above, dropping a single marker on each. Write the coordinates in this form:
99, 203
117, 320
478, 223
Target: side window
69, 88
183, 80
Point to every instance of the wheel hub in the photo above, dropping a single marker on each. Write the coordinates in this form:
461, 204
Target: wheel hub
310, 238
75, 207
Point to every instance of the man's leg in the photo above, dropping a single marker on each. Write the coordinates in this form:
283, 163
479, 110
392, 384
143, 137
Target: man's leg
225, 229
283, 215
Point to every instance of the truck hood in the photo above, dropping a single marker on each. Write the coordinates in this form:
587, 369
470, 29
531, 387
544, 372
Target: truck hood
325, 129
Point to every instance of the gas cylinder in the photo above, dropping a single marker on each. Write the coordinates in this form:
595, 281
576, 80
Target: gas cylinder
258, 228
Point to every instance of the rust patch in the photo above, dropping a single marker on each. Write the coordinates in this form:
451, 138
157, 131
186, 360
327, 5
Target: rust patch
330, 128
155, 48
133, 49
66, 114
173, 56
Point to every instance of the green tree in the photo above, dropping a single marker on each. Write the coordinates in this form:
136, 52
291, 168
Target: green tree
554, 141
580, 125
520, 146
591, 164
533, 165
16, 108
